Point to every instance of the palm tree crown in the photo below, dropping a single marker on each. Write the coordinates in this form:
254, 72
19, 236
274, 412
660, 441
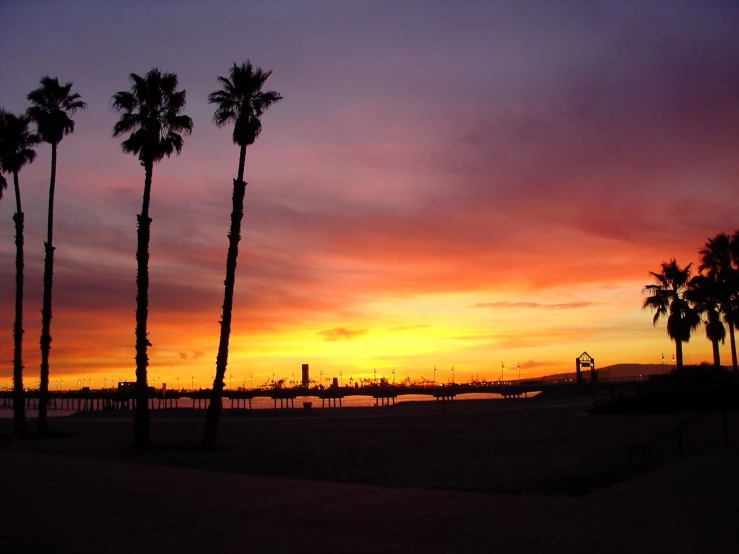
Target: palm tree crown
719, 259
51, 105
715, 257
704, 293
667, 298
151, 112
3, 181
242, 102
16, 142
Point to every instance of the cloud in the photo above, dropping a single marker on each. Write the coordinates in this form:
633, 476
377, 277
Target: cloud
534, 305
341, 333
197, 355
507, 304
408, 327
183, 356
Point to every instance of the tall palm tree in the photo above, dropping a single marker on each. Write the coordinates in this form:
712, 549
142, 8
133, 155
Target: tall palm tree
16, 150
716, 261
152, 113
51, 106
666, 297
704, 293
240, 101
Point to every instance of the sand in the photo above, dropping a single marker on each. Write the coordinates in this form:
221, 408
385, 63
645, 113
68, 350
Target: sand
485, 445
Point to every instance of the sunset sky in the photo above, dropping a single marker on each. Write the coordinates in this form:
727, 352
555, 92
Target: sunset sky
445, 183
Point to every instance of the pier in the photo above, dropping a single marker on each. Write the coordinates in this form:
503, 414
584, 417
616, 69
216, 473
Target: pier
284, 398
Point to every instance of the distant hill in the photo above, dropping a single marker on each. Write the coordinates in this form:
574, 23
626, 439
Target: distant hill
617, 371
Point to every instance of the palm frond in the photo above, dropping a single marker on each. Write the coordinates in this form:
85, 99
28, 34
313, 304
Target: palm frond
51, 106
17, 142
151, 113
241, 101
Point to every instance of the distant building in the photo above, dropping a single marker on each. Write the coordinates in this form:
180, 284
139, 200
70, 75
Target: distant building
306, 376
127, 386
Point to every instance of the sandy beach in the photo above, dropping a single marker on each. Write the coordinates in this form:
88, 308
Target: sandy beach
479, 445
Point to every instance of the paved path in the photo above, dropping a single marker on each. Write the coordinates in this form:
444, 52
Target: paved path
62, 505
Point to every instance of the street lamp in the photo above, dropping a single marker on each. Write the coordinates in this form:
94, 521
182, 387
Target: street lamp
341, 378
502, 369
434, 374
192, 381
518, 367
393, 376
230, 381
452, 375
250, 376
178, 382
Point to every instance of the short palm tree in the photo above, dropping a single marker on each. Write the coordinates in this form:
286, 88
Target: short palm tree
666, 297
51, 106
240, 101
152, 113
718, 263
17, 144
704, 293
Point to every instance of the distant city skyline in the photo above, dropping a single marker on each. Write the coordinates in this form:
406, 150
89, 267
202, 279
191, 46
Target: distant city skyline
444, 184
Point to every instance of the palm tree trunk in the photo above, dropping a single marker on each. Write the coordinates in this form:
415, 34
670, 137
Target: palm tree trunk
732, 341
43, 426
19, 411
679, 353
234, 236
716, 353
141, 419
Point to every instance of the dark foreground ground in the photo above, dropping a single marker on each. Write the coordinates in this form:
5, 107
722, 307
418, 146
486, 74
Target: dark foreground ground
291, 482
65, 504
486, 446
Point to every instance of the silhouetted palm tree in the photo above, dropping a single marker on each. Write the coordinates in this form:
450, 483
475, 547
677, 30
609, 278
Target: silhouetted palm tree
152, 112
716, 262
51, 106
667, 299
704, 293
240, 101
16, 150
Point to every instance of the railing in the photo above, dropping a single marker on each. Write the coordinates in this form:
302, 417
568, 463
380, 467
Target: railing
677, 431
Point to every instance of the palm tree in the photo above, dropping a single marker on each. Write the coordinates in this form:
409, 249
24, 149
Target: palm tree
667, 299
240, 101
704, 293
16, 150
51, 106
716, 261
152, 112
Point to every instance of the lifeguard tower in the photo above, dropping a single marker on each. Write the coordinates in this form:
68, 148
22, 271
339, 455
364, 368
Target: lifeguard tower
585, 360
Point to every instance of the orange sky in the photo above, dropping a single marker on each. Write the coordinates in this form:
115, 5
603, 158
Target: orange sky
453, 195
